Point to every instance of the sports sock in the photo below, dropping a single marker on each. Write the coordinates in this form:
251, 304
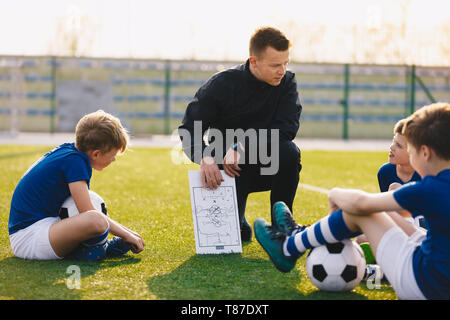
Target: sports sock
330, 229
97, 240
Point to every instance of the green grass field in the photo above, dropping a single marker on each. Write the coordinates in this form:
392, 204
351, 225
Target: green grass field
146, 192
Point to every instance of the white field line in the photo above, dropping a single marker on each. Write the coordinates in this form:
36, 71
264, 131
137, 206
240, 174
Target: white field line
314, 188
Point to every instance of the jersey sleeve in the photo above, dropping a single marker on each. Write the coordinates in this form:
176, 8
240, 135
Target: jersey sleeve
75, 168
385, 178
204, 110
414, 198
382, 181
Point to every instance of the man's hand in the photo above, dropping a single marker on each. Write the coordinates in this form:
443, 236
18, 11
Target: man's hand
230, 163
210, 173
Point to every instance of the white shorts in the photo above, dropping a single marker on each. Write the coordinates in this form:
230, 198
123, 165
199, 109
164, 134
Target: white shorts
415, 221
395, 255
33, 242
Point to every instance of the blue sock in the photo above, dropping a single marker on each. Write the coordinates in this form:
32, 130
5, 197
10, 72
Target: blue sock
330, 229
97, 240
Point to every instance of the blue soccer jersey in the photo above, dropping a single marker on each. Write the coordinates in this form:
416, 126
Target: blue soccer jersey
387, 174
431, 260
43, 188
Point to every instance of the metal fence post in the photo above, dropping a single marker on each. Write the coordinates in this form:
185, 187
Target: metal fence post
167, 98
425, 89
412, 95
344, 102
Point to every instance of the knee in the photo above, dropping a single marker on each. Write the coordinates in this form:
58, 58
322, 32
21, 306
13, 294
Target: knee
394, 186
98, 223
290, 155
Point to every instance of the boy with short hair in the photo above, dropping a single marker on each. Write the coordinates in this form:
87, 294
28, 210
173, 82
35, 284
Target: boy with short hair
398, 169
36, 231
416, 263
397, 172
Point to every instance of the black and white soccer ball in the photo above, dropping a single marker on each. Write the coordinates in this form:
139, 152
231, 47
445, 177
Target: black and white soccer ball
336, 267
69, 209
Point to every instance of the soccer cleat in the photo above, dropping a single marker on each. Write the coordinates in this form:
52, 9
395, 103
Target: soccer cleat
373, 273
283, 221
117, 247
85, 253
272, 243
246, 231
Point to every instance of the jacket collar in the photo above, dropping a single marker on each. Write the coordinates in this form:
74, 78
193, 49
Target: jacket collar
251, 78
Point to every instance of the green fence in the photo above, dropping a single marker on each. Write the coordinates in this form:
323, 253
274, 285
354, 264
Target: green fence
345, 101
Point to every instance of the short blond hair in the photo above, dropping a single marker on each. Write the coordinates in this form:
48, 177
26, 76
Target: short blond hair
102, 131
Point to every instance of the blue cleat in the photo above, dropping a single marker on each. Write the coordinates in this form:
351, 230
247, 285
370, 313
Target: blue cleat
272, 243
283, 221
117, 247
85, 253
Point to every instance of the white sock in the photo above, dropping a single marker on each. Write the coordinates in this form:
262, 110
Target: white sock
285, 250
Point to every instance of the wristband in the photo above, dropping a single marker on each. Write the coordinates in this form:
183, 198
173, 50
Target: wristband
237, 147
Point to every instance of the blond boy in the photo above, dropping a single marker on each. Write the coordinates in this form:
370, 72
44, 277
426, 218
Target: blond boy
36, 231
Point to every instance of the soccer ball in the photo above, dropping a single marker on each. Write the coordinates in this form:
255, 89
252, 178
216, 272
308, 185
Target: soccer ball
69, 209
336, 267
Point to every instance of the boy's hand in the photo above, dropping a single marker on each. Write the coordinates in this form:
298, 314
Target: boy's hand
136, 242
394, 186
333, 206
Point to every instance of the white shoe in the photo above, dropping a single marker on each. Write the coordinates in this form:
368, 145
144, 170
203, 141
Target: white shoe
373, 272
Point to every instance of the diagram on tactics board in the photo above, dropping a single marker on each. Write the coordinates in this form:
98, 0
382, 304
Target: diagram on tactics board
215, 215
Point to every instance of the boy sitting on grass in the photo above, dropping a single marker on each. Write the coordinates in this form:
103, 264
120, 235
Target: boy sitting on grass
392, 175
398, 171
36, 232
417, 263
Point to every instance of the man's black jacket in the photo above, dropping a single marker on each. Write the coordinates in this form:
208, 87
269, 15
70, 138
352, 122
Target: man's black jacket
235, 99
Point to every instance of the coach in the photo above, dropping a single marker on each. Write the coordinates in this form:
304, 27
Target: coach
260, 94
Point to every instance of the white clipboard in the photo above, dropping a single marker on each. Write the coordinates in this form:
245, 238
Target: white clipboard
216, 216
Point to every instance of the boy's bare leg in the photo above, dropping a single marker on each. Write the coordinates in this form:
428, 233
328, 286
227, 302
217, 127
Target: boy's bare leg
405, 225
399, 220
67, 234
375, 225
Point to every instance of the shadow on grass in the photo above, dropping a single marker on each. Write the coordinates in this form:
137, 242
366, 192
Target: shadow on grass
233, 277
29, 280
225, 277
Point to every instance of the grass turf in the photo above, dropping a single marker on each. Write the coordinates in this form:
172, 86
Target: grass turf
145, 191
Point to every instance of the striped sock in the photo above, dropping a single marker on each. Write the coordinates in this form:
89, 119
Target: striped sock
98, 240
330, 229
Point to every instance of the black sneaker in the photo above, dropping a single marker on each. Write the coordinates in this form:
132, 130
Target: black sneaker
246, 231
283, 221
